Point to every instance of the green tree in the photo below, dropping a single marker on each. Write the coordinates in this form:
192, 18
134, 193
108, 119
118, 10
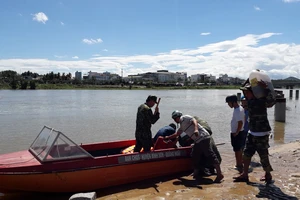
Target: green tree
63, 76
69, 76
23, 85
14, 84
8, 74
32, 85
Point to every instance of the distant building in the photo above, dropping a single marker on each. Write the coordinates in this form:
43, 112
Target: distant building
103, 77
202, 78
198, 78
78, 75
161, 76
223, 78
212, 78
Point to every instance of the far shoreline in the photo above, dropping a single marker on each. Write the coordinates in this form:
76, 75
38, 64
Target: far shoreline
119, 87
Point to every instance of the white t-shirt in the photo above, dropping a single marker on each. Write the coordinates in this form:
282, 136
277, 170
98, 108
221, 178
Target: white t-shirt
238, 115
260, 133
187, 126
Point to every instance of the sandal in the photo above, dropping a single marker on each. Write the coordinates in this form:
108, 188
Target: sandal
266, 178
241, 179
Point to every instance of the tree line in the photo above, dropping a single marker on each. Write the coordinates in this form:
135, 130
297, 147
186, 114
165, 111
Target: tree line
30, 80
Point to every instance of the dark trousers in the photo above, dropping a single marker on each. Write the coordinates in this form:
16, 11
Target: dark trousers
143, 143
205, 149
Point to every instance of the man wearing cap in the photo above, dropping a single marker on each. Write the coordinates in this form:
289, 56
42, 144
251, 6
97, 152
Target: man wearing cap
144, 119
203, 145
258, 136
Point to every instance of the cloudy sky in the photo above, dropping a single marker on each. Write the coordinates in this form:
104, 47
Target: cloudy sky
138, 36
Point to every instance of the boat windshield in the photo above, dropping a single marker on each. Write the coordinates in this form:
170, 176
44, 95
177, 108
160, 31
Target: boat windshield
53, 145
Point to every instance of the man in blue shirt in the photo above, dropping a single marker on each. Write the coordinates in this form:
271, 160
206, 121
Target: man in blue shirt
165, 131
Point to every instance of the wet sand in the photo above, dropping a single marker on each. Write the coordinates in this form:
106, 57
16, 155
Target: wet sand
285, 160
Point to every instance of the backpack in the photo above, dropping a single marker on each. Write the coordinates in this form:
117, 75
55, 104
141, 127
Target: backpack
204, 124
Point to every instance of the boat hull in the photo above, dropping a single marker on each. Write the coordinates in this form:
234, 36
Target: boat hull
93, 178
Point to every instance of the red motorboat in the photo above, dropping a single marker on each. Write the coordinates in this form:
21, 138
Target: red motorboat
54, 163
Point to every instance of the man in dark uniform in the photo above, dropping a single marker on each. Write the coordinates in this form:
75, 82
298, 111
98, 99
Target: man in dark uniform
258, 136
144, 119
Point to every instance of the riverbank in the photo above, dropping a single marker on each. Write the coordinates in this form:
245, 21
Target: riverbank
284, 158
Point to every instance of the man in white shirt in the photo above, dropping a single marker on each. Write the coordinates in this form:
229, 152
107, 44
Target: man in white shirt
202, 140
237, 135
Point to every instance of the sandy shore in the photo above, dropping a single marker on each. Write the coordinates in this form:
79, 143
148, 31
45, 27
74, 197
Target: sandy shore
285, 160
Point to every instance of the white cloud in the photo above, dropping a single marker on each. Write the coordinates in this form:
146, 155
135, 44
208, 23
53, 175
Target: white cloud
256, 8
236, 57
105, 50
290, 1
62, 23
206, 33
75, 57
92, 41
40, 17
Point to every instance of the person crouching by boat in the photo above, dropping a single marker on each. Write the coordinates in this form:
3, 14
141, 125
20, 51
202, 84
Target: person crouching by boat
144, 119
205, 168
208, 169
202, 140
158, 140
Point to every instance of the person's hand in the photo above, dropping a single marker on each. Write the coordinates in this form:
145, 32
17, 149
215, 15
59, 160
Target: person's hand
234, 134
156, 109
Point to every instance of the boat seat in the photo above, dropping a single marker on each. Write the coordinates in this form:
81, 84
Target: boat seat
162, 144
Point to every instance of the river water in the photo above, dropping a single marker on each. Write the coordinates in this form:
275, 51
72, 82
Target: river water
88, 116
